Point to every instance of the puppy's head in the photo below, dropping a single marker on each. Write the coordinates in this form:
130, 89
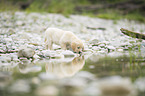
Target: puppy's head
77, 46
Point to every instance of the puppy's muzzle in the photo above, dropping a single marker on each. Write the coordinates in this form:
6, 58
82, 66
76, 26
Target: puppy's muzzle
80, 52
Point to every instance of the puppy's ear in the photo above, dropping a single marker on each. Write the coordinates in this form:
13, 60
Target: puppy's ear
73, 46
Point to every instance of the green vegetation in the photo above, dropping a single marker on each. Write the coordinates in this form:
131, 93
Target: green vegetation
135, 16
7, 6
110, 14
67, 7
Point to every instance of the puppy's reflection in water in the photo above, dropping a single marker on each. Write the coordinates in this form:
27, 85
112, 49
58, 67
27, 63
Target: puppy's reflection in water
64, 68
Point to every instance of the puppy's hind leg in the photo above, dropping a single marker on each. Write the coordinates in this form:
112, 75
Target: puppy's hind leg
48, 44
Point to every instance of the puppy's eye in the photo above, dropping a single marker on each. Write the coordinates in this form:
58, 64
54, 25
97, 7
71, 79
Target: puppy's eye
78, 47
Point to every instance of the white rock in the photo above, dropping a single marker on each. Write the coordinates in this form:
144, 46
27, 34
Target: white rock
96, 48
115, 85
92, 89
120, 50
47, 76
26, 52
86, 75
35, 80
68, 53
111, 47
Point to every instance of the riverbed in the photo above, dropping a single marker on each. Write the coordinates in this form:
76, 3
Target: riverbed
112, 63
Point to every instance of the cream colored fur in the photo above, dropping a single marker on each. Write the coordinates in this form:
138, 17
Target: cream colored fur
66, 39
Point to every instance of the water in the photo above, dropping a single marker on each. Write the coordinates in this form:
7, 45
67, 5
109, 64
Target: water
92, 75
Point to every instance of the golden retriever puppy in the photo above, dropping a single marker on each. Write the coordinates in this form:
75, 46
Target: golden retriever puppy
66, 39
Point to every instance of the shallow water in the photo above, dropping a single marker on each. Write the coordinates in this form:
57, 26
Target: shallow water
92, 75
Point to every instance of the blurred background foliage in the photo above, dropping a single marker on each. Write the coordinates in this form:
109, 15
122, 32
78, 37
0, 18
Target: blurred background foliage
107, 9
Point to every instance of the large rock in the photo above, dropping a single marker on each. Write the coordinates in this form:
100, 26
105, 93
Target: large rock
26, 52
46, 91
20, 86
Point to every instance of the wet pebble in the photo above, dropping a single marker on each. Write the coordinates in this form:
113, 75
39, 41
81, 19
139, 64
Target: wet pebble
47, 76
85, 75
115, 85
94, 41
96, 48
5, 78
120, 49
92, 89
47, 91
102, 45
68, 53
74, 82
52, 54
111, 48
35, 80
20, 86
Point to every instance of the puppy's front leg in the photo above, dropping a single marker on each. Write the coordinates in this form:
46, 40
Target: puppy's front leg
63, 46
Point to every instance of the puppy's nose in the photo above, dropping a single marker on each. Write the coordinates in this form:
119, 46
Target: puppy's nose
80, 52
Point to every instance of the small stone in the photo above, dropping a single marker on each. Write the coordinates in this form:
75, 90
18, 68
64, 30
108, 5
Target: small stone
79, 83
120, 50
91, 66
46, 53
57, 56
111, 47
5, 78
20, 23
96, 48
88, 50
68, 53
35, 80
102, 45
47, 91
51, 54
47, 76
94, 41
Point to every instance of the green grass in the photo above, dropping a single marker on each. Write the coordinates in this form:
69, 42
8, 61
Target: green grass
116, 15
112, 16
67, 7
135, 16
7, 6
52, 6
